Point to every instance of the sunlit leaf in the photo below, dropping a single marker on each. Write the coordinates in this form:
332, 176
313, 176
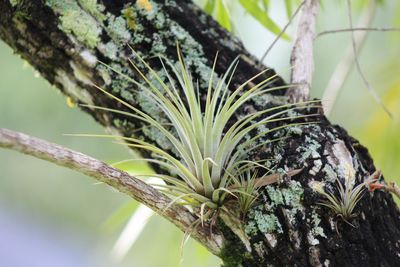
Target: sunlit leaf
222, 15
265, 5
289, 8
209, 7
261, 16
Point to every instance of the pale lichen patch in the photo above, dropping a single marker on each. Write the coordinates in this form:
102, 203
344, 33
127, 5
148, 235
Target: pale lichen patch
259, 248
316, 230
293, 195
309, 150
89, 59
81, 74
75, 20
263, 222
312, 240
109, 49
344, 161
117, 29
331, 175
271, 239
316, 168
104, 73
93, 8
263, 219
316, 186
72, 89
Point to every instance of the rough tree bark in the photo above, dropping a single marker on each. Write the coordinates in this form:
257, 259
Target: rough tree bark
64, 40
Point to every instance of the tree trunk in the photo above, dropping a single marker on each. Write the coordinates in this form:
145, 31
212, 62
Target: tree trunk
65, 40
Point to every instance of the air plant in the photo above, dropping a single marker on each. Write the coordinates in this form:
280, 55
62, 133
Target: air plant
208, 163
348, 196
246, 183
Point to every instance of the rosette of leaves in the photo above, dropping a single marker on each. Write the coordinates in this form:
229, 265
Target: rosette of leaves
207, 166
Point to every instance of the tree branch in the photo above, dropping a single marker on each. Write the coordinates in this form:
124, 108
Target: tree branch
118, 179
368, 29
302, 59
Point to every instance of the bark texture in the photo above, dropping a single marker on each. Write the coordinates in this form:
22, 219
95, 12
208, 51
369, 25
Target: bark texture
64, 40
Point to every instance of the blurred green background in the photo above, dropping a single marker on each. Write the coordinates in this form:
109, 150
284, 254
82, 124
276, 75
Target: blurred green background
92, 215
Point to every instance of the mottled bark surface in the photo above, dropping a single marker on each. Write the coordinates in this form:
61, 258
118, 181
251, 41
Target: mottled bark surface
64, 40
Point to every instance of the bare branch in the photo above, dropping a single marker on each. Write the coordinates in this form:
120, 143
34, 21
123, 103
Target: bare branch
369, 29
118, 179
282, 31
393, 188
358, 66
302, 58
344, 66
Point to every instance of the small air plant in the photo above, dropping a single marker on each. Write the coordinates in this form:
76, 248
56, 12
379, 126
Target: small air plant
208, 167
348, 196
344, 203
246, 184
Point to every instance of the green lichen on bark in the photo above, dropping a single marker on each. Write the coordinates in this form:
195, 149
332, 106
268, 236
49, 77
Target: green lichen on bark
260, 221
316, 230
117, 29
262, 218
93, 8
110, 50
75, 20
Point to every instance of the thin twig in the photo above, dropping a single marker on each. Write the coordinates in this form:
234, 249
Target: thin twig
346, 63
118, 179
369, 29
373, 184
282, 32
393, 188
358, 66
302, 58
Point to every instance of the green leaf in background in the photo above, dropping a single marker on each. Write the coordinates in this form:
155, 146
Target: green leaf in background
222, 14
256, 8
289, 8
265, 5
261, 16
209, 7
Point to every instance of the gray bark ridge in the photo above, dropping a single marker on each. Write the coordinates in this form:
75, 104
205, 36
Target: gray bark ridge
64, 40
